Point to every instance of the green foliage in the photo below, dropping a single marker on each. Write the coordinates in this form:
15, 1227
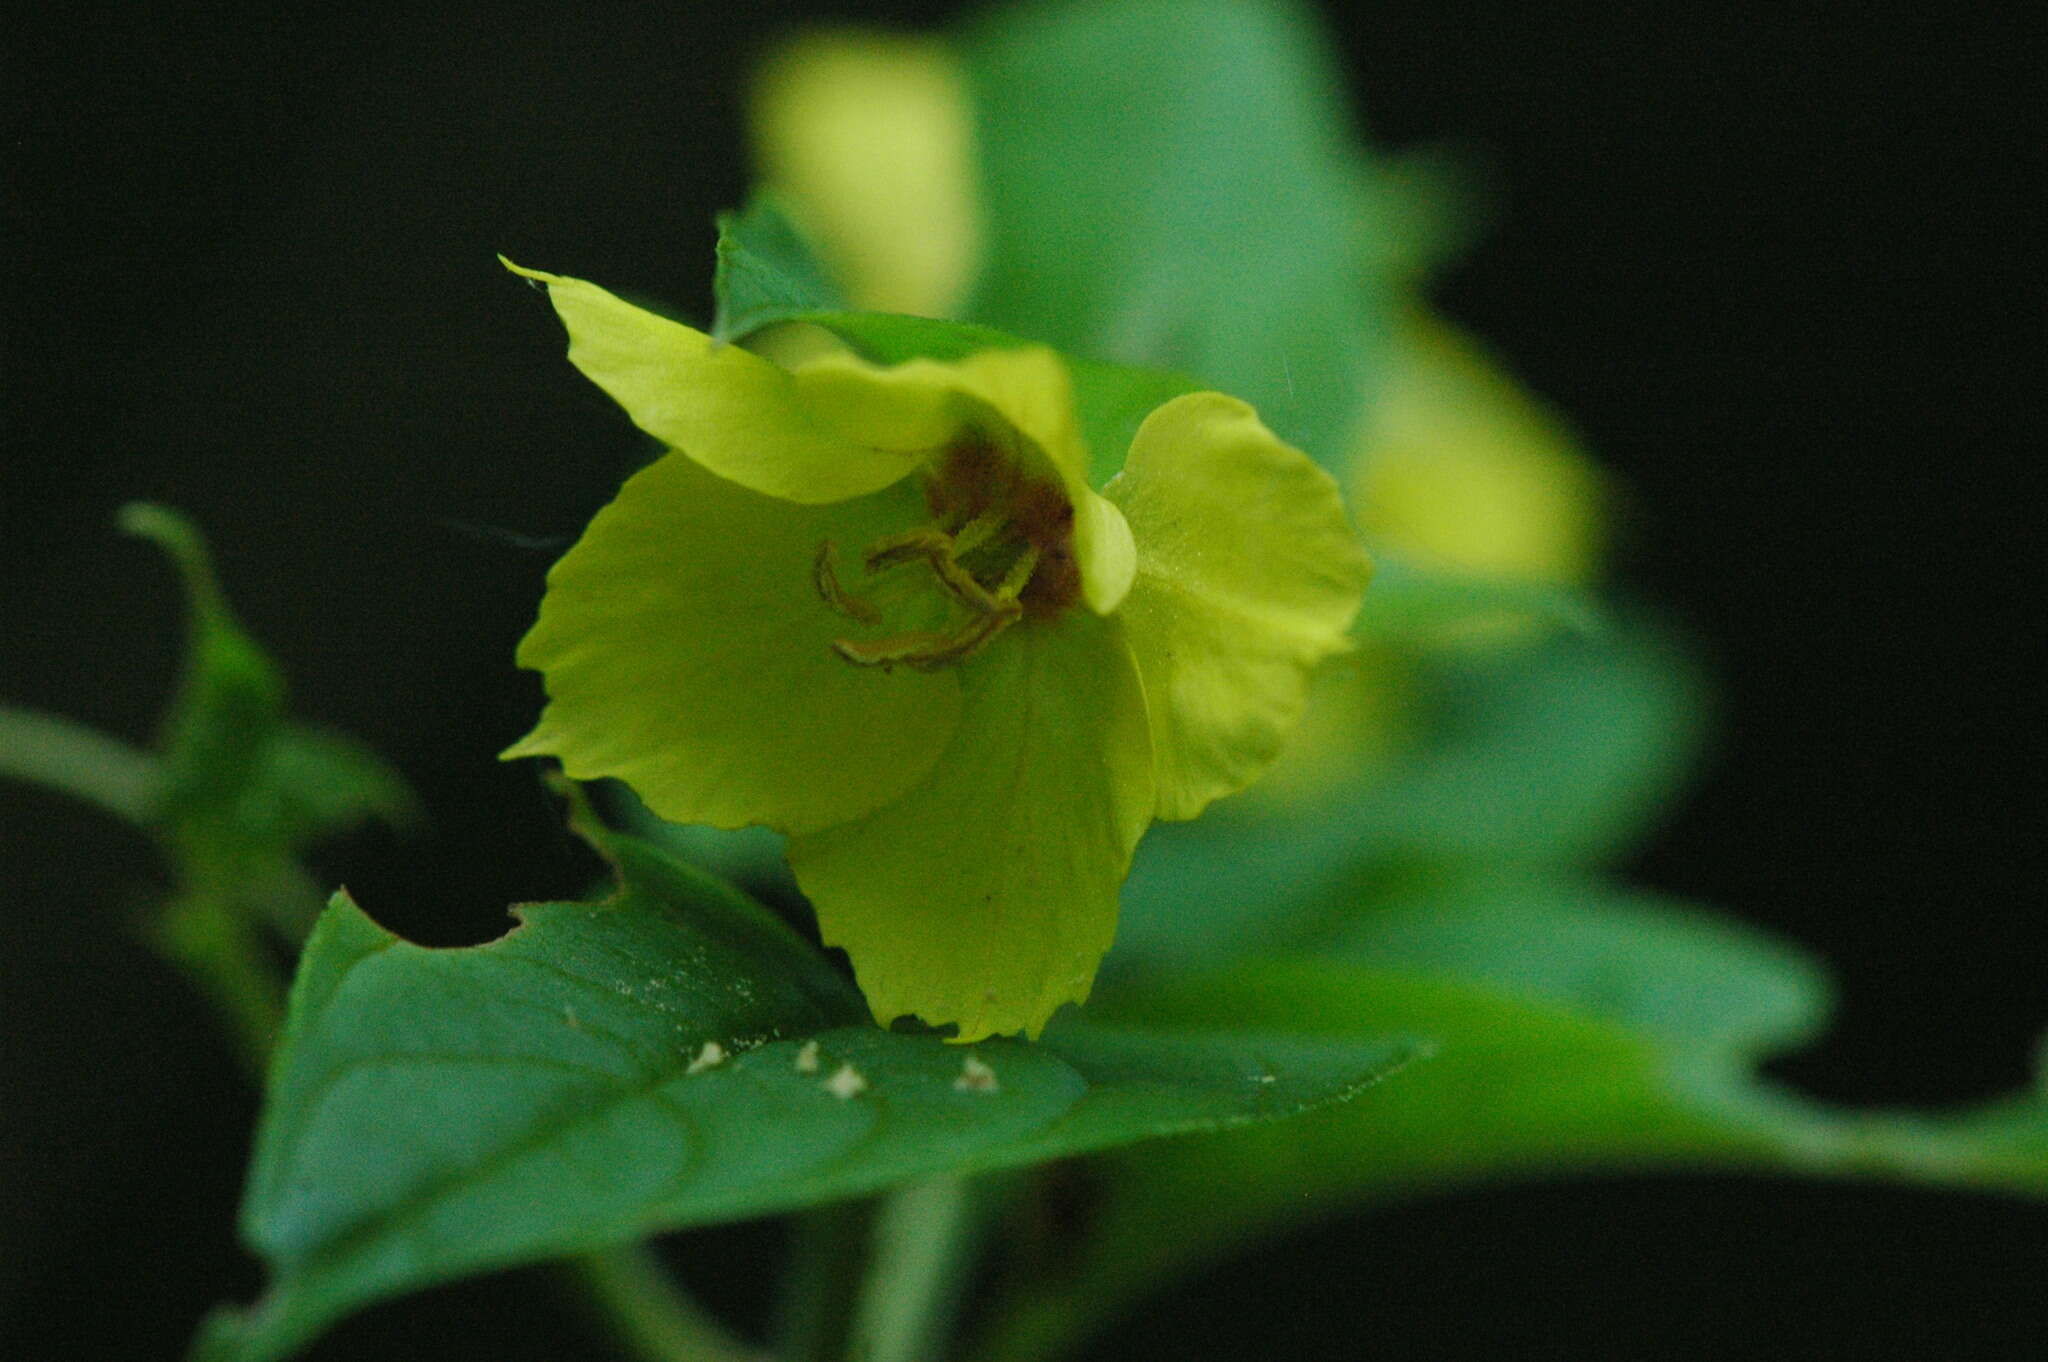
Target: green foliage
1555, 751
1414, 602
230, 702
234, 794
241, 786
1579, 1026
766, 272
1178, 185
668, 1057
767, 275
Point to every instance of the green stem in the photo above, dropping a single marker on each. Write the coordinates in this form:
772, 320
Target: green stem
917, 1267
222, 957
60, 754
1036, 1327
652, 1318
821, 1282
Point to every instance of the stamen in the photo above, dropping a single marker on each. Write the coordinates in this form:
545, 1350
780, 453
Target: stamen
909, 546
991, 612
1019, 573
962, 584
825, 577
975, 533
928, 651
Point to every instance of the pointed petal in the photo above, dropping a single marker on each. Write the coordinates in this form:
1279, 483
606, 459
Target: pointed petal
734, 412
686, 652
987, 896
1248, 573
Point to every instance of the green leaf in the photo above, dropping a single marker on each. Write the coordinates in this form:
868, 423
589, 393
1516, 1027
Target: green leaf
766, 272
60, 754
1176, 185
239, 781
767, 275
1578, 1027
1419, 602
231, 700
314, 783
670, 1057
1558, 752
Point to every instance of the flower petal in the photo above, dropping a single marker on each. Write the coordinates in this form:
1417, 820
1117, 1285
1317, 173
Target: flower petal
987, 896
687, 652
736, 413
1461, 466
869, 137
1248, 573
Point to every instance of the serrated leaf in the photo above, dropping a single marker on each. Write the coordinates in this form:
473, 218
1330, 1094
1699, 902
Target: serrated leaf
672, 1056
1176, 185
1578, 1027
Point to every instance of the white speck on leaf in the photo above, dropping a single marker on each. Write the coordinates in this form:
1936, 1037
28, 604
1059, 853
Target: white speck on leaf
975, 1076
807, 1057
846, 1083
710, 1057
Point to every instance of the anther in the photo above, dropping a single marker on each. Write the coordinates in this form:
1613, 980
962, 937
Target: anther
928, 651
825, 577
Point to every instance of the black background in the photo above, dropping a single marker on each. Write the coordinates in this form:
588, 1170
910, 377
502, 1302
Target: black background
1780, 267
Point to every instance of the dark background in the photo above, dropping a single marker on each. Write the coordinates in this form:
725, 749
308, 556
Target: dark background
1781, 269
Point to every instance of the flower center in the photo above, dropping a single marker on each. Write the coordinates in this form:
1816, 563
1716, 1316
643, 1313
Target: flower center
1000, 548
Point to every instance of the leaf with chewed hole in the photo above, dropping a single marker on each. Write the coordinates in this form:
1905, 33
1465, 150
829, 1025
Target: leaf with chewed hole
671, 1056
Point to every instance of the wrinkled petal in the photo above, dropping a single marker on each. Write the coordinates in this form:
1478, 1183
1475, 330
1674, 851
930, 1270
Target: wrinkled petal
869, 138
686, 652
736, 413
1248, 573
987, 896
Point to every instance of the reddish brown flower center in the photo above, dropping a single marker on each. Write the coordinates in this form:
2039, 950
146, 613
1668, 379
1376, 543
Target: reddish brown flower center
1001, 548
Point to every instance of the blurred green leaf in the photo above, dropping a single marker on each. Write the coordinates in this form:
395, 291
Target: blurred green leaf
1419, 602
766, 272
58, 754
1558, 751
767, 275
234, 794
314, 783
240, 782
672, 1056
230, 701
1177, 185
1578, 1027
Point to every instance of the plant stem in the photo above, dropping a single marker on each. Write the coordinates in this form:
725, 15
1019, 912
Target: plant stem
222, 957
59, 754
821, 1282
917, 1268
652, 1318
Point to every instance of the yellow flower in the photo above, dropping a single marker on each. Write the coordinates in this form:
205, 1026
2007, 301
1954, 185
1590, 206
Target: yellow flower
881, 610
868, 138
